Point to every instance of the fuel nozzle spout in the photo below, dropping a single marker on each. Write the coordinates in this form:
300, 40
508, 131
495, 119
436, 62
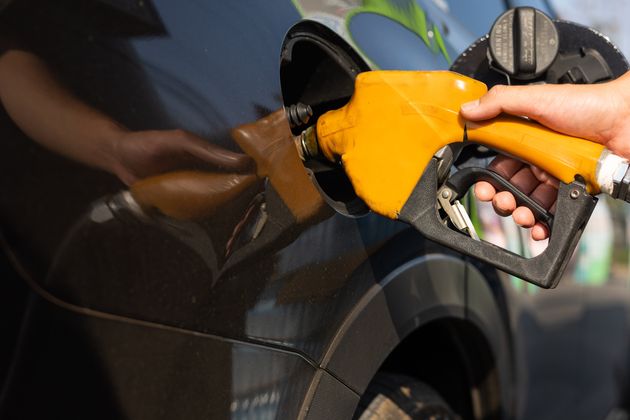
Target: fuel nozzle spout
306, 144
621, 183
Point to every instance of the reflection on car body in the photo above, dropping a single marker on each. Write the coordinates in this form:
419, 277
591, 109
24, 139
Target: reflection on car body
246, 294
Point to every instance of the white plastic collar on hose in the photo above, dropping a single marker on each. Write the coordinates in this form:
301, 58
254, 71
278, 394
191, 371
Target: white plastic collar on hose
606, 167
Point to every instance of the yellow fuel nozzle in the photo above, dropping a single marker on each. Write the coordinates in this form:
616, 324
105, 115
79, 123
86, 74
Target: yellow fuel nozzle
397, 120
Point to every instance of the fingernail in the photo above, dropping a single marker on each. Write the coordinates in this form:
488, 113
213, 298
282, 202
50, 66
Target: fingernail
468, 106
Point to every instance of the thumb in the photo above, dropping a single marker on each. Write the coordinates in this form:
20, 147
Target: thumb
126, 176
515, 100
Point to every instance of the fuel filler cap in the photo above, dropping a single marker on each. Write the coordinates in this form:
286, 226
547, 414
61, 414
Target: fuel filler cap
523, 43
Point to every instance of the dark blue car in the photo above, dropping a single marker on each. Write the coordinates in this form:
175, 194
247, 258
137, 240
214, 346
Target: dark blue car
278, 296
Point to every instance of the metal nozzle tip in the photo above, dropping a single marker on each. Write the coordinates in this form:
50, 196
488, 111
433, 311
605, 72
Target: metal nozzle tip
306, 144
621, 183
298, 145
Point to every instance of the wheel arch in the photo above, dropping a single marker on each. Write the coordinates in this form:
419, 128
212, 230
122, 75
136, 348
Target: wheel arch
438, 299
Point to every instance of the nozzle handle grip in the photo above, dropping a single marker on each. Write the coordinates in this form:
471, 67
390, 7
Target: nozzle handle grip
574, 208
560, 155
464, 178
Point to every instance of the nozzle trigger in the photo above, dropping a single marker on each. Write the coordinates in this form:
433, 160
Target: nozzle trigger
464, 178
456, 212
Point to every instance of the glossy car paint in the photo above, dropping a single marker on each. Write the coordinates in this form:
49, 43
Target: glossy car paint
159, 318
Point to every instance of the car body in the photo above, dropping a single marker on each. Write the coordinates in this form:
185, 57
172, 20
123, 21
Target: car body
131, 317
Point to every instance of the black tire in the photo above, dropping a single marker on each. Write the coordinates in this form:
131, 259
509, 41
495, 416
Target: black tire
394, 396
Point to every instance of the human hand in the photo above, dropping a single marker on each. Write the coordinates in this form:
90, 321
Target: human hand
139, 154
599, 113
539, 185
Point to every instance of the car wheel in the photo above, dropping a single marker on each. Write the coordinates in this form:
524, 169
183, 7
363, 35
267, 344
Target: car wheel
395, 396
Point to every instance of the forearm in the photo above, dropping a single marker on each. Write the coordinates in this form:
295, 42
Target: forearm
51, 115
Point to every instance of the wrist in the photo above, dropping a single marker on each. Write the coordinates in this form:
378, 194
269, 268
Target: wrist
622, 87
618, 138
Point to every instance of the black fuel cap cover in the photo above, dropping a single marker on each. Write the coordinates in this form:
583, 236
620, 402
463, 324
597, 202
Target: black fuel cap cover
523, 43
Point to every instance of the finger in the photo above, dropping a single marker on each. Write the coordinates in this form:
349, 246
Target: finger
545, 195
545, 177
505, 166
523, 217
504, 203
515, 100
525, 180
220, 157
484, 191
125, 175
540, 232
183, 141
